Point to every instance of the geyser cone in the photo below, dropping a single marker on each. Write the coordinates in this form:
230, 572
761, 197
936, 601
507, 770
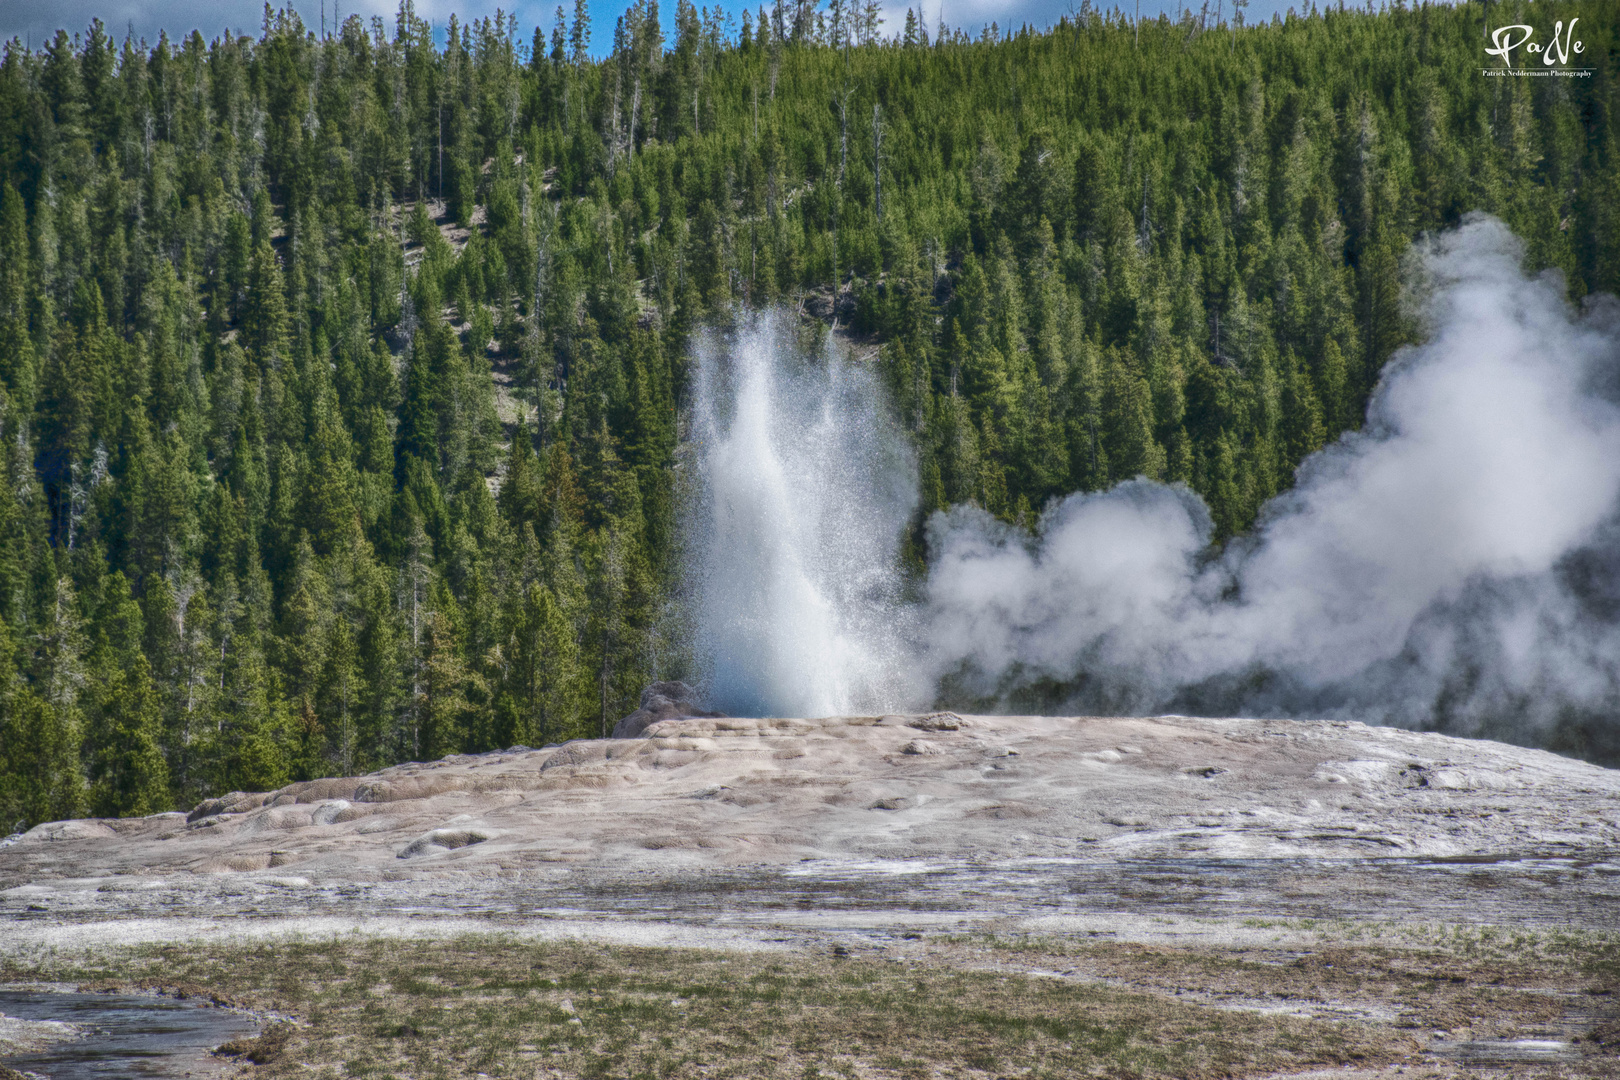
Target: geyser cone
804, 486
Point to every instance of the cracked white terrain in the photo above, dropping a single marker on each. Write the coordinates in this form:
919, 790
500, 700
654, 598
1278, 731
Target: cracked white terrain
1265, 841
873, 822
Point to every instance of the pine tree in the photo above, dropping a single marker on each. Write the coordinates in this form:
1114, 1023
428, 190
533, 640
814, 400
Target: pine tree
18, 361
1127, 407
128, 775
264, 318
254, 752
520, 498
343, 692
40, 777
441, 682
547, 674
305, 621
249, 377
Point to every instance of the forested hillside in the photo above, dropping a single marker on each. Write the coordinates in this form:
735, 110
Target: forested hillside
342, 374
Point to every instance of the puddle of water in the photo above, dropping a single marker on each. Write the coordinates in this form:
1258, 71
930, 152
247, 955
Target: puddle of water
834, 870
1504, 1051
124, 1035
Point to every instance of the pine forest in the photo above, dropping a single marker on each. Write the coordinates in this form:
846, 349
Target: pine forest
342, 368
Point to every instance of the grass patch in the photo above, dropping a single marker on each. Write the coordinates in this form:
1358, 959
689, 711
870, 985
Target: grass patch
1487, 982
488, 1004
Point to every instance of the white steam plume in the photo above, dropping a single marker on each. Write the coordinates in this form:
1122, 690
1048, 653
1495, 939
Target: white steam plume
803, 488
1456, 564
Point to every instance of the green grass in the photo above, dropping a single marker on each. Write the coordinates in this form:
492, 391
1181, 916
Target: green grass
495, 1005
1485, 981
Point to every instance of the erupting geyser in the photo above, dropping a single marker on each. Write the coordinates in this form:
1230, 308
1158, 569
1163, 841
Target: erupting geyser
1454, 565
804, 485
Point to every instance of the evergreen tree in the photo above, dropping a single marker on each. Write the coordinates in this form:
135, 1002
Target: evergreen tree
40, 776
128, 775
271, 308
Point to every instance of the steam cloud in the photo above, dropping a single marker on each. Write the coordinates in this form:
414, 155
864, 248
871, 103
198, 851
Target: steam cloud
1456, 564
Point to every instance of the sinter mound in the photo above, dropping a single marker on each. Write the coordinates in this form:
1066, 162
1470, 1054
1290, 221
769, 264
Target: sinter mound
723, 791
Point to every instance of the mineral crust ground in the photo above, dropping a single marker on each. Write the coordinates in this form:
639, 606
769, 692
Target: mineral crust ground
1084, 849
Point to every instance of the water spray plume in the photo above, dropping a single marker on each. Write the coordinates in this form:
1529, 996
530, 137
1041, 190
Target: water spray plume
804, 485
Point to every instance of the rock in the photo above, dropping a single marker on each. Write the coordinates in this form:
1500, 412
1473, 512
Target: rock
237, 802
441, 840
31, 1036
578, 752
406, 788
206, 809
1008, 811
661, 701
68, 830
920, 748
263, 1050
327, 812
940, 721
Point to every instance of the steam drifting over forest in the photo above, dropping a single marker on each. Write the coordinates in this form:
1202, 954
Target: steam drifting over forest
1452, 564
351, 384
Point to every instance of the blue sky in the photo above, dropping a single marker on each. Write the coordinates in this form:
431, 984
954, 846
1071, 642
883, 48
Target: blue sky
35, 20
